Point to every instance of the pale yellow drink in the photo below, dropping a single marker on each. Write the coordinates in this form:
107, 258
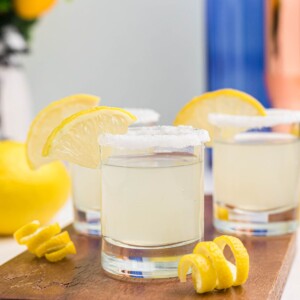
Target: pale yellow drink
86, 194
152, 208
153, 201
86, 188
257, 171
86, 184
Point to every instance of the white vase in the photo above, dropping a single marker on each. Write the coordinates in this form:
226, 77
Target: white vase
15, 105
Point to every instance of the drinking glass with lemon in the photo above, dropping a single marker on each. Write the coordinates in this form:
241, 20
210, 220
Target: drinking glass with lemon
68, 130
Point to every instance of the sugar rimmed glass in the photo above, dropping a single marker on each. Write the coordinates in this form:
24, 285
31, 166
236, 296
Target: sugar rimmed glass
256, 170
152, 200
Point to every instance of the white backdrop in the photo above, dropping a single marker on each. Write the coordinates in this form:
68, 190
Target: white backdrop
134, 53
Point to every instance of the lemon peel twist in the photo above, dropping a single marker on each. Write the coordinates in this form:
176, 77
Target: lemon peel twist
212, 251
210, 269
46, 241
224, 101
204, 275
25, 231
241, 268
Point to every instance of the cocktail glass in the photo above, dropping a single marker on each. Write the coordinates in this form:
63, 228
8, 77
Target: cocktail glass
86, 187
152, 199
256, 170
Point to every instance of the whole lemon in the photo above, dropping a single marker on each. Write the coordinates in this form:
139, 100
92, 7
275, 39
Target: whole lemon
32, 9
26, 194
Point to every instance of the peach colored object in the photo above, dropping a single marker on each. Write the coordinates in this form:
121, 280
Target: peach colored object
283, 52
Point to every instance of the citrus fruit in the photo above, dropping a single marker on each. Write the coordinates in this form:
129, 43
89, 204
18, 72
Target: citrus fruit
50, 117
60, 254
215, 254
32, 9
55, 243
203, 274
210, 269
27, 194
76, 138
241, 268
42, 235
21, 234
45, 241
224, 101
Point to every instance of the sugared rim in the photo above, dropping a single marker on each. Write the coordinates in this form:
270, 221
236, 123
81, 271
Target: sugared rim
144, 115
156, 136
274, 117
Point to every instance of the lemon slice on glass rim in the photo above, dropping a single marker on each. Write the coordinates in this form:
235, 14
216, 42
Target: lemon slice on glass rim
224, 101
76, 138
50, 117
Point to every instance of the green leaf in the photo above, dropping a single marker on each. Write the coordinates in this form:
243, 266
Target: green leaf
24, 26
5, 6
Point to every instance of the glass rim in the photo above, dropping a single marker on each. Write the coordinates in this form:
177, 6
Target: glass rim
156, 136
274, 117
144, 115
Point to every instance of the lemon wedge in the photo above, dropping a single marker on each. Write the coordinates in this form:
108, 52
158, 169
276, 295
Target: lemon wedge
50, 117
55, 243
224, 101
240, 270
76, 138
203, 274
220, 264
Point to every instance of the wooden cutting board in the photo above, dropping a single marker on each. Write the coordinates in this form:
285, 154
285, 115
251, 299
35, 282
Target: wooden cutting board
81, 276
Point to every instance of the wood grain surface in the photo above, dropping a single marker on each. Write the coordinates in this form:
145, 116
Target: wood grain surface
81, 276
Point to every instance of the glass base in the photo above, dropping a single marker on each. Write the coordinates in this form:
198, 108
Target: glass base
87, 222
228, 219
125, 263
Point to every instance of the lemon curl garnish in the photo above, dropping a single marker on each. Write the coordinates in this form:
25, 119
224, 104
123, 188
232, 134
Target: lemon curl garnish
46, 241
211, 270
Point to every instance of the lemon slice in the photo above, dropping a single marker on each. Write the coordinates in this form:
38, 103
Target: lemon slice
21, 235
48, 119
215, 254
55, 243
225, 101
60, 254
41, 236
76, 138
241, 268
203, 274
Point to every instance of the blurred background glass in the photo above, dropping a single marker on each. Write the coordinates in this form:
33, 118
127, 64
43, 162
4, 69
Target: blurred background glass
235, 43
283, 52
